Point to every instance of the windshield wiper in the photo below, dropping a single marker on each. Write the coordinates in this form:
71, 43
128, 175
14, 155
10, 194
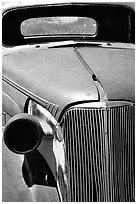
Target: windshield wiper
72, 42
80, 40
91, 43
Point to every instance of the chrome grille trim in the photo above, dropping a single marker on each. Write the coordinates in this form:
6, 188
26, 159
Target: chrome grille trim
100, 153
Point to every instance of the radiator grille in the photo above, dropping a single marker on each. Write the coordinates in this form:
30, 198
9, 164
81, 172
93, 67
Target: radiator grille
100, 153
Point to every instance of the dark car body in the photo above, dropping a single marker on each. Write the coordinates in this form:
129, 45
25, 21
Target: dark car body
80, 90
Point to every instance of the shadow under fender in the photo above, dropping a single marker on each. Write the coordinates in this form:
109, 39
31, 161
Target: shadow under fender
36, 170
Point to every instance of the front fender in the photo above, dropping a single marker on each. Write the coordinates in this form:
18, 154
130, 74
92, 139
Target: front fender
14, 188
9, 105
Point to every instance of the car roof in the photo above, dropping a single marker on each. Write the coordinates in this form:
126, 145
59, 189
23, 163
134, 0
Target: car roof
10, 5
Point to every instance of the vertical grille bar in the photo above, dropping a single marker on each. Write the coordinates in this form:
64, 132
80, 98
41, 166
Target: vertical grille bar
100, 153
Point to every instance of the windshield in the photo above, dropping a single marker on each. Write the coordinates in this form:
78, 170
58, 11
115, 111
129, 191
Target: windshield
89, 22
59, 25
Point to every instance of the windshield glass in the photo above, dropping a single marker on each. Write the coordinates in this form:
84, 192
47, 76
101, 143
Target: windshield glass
59, 25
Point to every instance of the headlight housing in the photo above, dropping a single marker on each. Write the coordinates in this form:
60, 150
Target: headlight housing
24, 132
50, 126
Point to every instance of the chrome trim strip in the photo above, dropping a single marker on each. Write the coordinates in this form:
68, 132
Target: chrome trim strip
104, 104
29, 94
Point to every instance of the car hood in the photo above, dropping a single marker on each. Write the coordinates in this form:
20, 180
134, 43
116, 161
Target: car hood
55, 75
115, 69
59, 76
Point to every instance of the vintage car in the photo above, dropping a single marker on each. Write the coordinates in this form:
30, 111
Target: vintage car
68, 101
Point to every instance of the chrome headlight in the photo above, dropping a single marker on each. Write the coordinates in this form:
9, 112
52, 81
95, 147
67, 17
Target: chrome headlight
24, 132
